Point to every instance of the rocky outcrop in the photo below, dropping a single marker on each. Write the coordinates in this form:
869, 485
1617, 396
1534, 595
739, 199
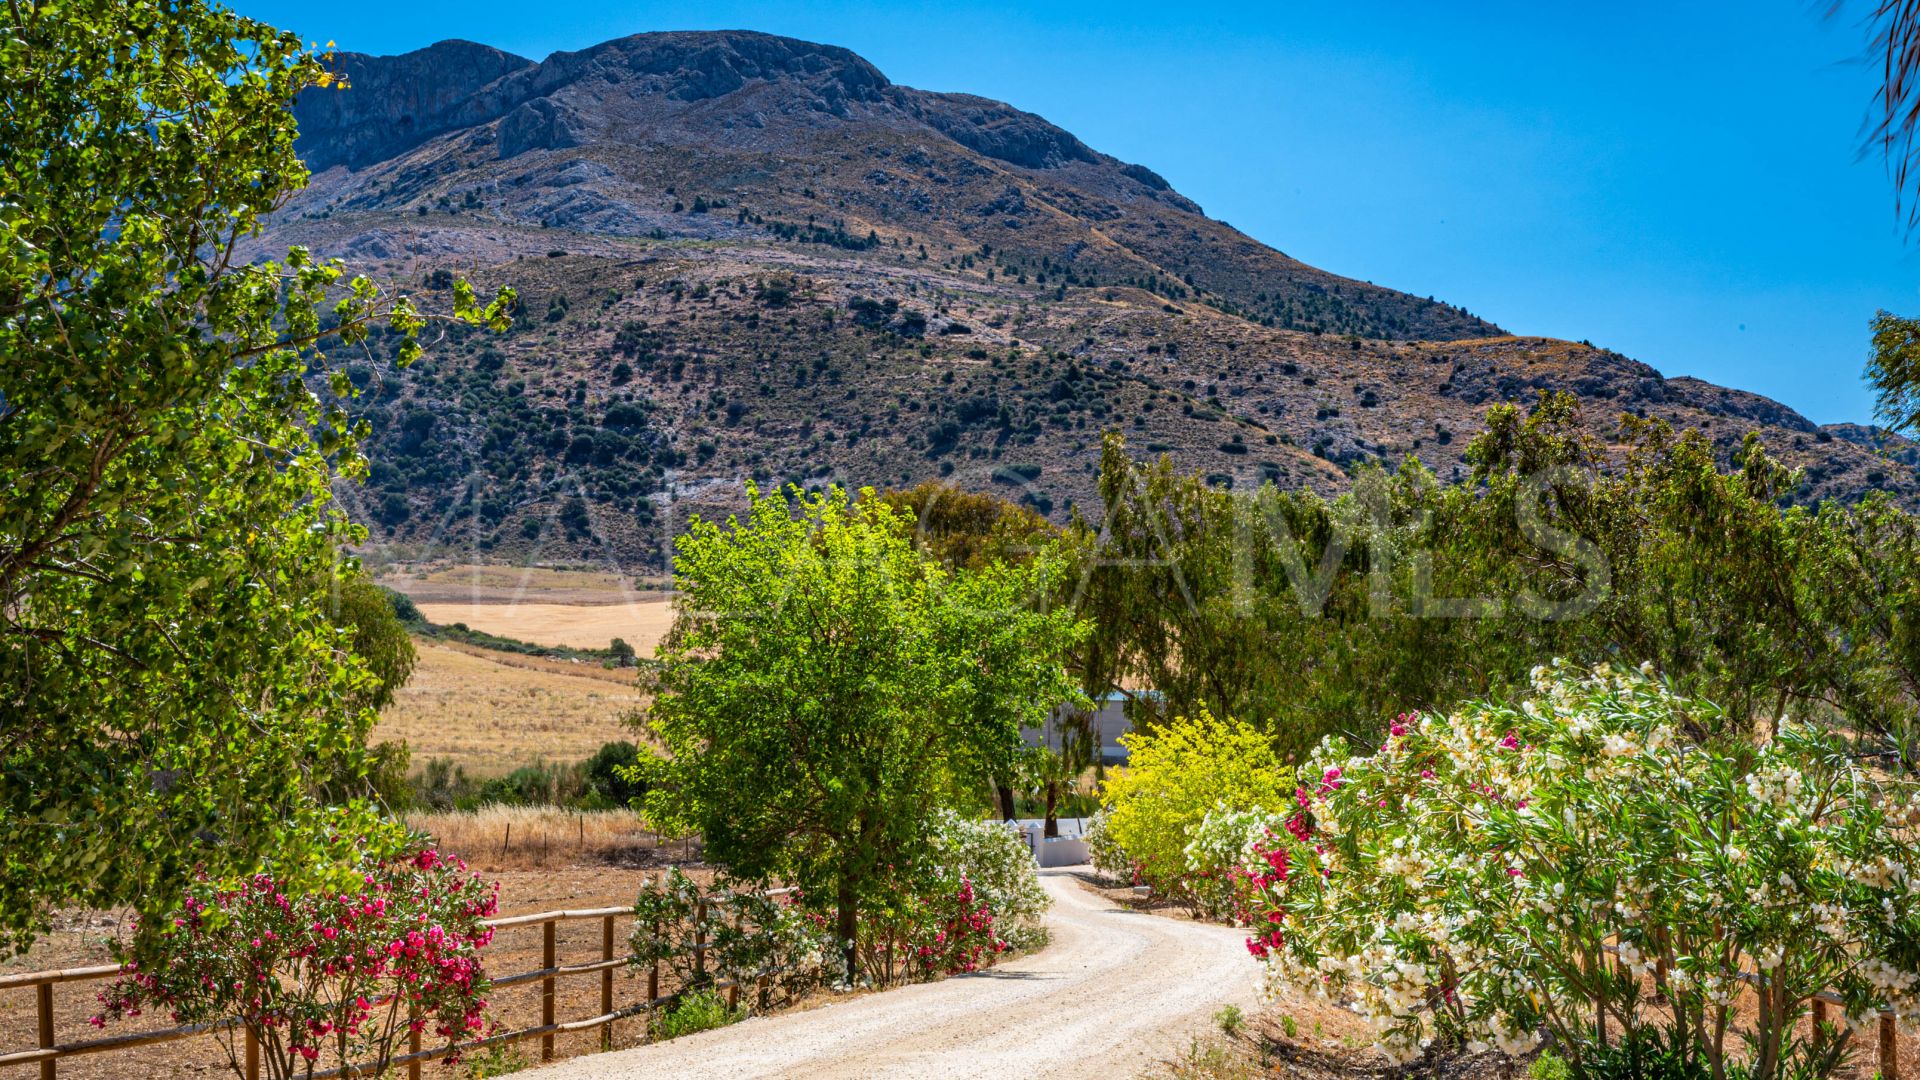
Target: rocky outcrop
541, 124
390, 104
691, 66
999, 131
1736, 404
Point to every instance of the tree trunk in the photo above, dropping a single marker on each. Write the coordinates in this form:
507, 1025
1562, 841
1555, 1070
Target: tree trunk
848, 929
1053, 823
1006, 802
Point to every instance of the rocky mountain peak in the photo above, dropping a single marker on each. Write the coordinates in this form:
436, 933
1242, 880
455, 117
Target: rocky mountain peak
699, 65
742, 255
390, 104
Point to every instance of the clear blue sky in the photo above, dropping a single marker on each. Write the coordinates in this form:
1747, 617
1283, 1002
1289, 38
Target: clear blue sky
1675, 181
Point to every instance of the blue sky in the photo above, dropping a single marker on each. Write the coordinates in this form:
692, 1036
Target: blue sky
1676, 181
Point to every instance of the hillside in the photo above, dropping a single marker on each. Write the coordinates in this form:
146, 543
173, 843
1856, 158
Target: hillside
743, 256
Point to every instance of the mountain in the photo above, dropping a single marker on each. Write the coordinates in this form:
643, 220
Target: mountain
745, 256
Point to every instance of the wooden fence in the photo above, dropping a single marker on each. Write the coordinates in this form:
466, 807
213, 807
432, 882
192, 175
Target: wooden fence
1889, 1031
49, 1053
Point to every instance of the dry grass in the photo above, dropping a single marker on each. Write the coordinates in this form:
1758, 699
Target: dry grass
491, 716
523, 577
582, 626
509, 584
572, 669
503, 838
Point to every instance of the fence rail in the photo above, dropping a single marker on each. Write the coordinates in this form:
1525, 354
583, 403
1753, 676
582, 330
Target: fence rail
49, 1052
1889, 1041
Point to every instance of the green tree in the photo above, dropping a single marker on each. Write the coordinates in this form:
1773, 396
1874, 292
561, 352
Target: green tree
606, 774
969, 529
1893, 370
168, 544
1310, 616
826, 689
378, 639
622, 652
376, 634
1052, 773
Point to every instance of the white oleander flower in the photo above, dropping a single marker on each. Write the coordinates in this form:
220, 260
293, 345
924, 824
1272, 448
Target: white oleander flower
1617, 745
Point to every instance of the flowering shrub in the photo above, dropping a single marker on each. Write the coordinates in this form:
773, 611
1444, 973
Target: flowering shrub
1176, 774
953, 931
977, 896
1217, 883
1468, 877
307, 972
993, 860
1102, 852
746, 933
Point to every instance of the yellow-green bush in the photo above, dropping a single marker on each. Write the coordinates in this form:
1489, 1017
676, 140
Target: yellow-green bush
1175, 775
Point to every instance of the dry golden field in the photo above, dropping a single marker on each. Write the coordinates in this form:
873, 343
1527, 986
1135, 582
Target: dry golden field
497, 838
583, 626
467, 583
492, 712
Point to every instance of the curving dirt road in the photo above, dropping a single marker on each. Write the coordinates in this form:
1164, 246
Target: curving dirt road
1115, 992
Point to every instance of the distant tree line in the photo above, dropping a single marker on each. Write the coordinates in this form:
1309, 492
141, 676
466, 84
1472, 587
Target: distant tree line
1313, 615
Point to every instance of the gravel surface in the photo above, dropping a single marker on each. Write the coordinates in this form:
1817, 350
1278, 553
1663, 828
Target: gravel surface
1115, 992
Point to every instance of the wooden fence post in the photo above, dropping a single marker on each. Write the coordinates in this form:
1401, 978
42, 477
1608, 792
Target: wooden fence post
546, 989
739, 927
252, 1056
606, 981
43, 995
1889, 1050
413, 1047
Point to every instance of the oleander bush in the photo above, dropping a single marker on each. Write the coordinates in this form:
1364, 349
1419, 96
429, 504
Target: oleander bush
1466, 881
343, 972
1102, 851
975, 895
995, 862
947, 929
701, 936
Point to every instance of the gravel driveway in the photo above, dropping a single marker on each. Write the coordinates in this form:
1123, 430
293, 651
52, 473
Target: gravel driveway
1115, 992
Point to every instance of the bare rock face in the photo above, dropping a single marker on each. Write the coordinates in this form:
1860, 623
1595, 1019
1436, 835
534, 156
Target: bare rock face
391, 104
540, 124
999, 131
699, 66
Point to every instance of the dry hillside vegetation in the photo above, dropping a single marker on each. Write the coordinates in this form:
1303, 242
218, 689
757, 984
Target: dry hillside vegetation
491, 714
746, 257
